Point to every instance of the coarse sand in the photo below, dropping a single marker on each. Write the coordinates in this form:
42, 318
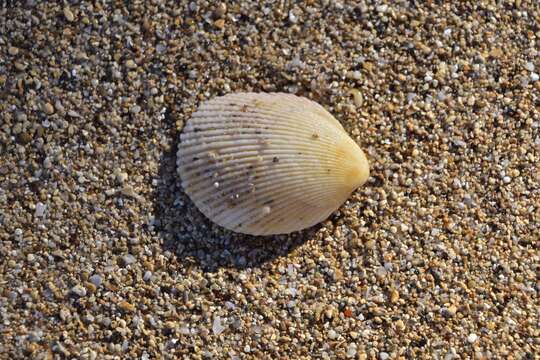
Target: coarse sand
103, 256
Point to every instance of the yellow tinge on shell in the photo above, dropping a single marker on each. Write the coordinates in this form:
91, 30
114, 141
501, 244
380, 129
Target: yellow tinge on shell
266, 164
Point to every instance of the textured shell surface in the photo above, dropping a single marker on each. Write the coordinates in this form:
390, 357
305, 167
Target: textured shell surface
265, 164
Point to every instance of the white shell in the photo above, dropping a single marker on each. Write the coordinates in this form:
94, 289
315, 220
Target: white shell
265, 164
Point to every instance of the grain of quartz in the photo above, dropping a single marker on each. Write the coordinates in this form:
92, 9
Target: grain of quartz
436, 257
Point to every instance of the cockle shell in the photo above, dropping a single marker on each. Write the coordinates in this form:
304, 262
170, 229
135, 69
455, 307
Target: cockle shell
266, 164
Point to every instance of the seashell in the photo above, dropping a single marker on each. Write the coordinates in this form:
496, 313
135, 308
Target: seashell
265, 164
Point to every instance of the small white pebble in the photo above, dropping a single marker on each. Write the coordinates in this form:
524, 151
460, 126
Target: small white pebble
40, 209
217, 327
384, 356
382, 8
147, 275
534, 77
292, 18
110, 192
356, 75
471, 339
135, 109
351, 350
507, 179
332, 335
121, 177
78, 290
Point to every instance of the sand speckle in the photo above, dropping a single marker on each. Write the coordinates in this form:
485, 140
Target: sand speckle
435, 257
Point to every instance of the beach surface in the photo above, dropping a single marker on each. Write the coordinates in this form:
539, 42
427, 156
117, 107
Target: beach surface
103, 256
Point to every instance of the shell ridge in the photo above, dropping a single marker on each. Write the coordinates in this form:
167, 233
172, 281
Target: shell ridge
273, 163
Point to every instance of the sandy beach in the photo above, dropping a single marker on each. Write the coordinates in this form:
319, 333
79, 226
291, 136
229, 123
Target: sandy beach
103, 255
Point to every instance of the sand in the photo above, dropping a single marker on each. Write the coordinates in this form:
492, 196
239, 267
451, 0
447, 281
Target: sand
103, 256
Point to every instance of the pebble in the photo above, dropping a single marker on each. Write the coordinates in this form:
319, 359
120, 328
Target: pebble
135, 109
220, 10
351, 350
126, 306
356, 75
68, 14
449, 311
217, 326
451, 354
229, 305
121, 177
48, 108
471, 339
292, 17
20, 66
220, 23
129, 259
332, 334
296, 63
73, 113
12, 50
384, 356
90, 287
394, 296
78, 290
58, 106
88, 318
21, 117
130, 64
381, 271
96, 280
358, 98
40, 209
